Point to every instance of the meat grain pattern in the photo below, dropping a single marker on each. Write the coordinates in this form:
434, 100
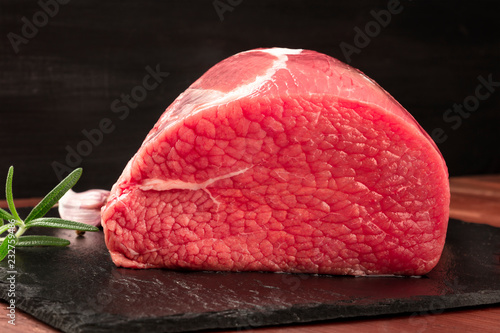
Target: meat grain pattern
282, 160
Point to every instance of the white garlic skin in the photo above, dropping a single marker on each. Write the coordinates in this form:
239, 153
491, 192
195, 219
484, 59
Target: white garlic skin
84, 207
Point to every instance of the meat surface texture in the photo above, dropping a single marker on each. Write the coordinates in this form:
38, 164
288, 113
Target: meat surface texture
282, 160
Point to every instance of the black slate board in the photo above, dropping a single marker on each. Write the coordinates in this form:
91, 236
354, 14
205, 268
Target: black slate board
78, 289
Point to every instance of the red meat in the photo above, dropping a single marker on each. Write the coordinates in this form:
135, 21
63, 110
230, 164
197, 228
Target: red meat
282, 160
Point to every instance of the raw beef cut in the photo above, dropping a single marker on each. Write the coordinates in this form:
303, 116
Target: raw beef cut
286, 161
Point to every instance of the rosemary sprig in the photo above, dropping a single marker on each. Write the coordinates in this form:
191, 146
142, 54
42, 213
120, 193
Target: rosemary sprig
17, 227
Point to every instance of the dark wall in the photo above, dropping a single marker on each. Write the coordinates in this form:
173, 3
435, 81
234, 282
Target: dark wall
65, 76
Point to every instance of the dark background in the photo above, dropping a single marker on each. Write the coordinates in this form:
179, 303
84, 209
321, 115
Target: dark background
64, 79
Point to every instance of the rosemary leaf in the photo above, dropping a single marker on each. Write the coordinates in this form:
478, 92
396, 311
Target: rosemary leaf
8, 194
40, 240
53, 222
4, 247
4, 228
51, 199
4, 215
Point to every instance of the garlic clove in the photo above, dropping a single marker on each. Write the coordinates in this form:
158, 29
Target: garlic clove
83, 207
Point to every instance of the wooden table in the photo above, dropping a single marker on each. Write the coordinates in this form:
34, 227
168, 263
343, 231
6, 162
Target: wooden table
473, 199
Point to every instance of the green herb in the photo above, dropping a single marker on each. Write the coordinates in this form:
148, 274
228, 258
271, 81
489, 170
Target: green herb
16, 227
